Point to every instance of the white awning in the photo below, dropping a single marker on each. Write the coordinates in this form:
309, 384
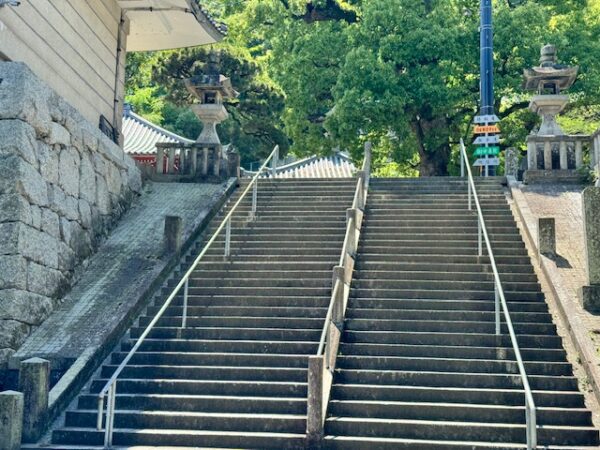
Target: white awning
167, 24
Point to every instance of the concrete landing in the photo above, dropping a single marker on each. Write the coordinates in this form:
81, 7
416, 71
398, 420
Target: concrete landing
116, 279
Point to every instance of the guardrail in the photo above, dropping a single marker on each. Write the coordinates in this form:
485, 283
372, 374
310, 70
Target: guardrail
110, 388
500, 300
322, 365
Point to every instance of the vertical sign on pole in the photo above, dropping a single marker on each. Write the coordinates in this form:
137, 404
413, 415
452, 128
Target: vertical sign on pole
486, 130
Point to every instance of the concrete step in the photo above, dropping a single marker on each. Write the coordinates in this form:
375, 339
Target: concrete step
451, 395
448, 338
450, 285
453, 352
229, 333
442, 272
190, 358
445, 364
444, 315
441, 326
218, 346
459, 412
458, 431
206, 387
201, 403
430, 294
244, 311
184, 438
444, 305
289, 323
454, 379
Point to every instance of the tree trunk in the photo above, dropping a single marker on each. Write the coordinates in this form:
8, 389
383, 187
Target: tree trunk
434, 153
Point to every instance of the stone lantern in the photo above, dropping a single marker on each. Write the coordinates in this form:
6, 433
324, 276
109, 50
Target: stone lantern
211, 89
549, 79
550, 149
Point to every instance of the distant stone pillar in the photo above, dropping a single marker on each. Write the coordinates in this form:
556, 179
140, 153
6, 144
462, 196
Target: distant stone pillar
171, 159
233, 164
511, 162
194, 162
11, 420
578, 154
547, 155
34, 382
182, 161
204, 161
173, 234
590, 294
160, 159
547, 236
217, 162
531, 155
564, 161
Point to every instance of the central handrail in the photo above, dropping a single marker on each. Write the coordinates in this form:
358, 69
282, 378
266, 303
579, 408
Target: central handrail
500, 300
322, 365
110, 386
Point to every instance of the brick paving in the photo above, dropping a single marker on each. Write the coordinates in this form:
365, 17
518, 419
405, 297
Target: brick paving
114, 278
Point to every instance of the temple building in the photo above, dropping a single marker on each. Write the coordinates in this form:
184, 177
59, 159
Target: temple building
78, 47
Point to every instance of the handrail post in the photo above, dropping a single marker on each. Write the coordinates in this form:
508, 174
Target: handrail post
337, 316
351, 217
275, 162
497, 307
227, 240
480, 236
100, 412
470, 196
185, 303
254, 201
531, 423
110, 415
462, 164
315, 419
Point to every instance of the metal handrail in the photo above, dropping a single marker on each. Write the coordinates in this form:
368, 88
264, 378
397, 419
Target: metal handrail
500, 301
109, 388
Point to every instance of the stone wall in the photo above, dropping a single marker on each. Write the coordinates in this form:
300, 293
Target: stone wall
63, 185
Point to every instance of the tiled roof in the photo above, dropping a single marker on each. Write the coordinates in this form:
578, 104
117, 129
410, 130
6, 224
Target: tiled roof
338, 165
141, 136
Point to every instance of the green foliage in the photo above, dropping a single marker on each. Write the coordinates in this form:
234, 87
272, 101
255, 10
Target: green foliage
325, 74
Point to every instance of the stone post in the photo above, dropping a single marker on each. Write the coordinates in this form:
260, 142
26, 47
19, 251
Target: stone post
233, 163
547, 236
11, 420
590, 294
511, 161
194, 162
171, 158
531, 155
217, 161
564, 162
160, 157
578, 154
34, 382
314, 420
547, 155
173, 234
182, 161
204, 161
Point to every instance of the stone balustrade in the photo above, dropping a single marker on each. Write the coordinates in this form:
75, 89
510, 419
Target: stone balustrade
195, 161
557, 152
595, 149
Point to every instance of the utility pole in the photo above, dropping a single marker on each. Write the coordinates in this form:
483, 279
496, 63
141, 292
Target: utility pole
486, 122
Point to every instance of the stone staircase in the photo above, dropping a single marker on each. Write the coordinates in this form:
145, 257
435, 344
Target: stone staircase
236, 376
420, 366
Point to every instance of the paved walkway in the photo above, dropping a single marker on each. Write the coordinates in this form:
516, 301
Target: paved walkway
116, 277
567, 273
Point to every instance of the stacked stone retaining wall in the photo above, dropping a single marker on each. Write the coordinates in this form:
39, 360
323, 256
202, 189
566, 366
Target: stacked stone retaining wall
63, 185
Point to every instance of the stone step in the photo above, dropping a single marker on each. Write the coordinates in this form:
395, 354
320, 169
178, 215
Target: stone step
479, 396
459, 412
173, 438
444, 315
458, 431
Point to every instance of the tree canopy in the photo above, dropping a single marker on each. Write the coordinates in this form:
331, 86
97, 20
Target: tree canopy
324, 74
